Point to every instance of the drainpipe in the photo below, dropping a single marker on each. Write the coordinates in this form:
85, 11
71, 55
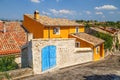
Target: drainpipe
49, 32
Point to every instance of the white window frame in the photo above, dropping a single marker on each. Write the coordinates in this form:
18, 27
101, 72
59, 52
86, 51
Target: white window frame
77, 29
97, 49
56, 30
77, 44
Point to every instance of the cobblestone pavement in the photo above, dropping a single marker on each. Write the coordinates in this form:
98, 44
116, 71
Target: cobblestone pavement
108, 69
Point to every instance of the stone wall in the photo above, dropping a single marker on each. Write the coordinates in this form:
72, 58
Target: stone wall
80, 55
66, 53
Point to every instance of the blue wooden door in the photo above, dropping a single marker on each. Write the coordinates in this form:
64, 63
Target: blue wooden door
48, 57
52, 56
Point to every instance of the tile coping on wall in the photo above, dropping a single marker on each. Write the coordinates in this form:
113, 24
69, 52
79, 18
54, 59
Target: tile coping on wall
82, 49
53, 39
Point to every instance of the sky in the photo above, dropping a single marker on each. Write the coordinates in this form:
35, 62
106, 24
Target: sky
100, 10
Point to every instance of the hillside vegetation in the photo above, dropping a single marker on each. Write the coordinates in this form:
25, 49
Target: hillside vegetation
95, 23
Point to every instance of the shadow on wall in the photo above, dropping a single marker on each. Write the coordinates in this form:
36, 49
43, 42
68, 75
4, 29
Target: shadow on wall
102, 77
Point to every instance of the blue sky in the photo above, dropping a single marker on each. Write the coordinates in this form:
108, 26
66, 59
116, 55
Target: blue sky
101, 10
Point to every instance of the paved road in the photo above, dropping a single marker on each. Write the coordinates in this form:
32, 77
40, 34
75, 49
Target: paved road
108, 69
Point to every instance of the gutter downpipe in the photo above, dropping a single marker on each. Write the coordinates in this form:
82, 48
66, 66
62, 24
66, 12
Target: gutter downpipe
48, 32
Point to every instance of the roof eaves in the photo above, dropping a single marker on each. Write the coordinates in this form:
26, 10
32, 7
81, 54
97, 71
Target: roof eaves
87, 40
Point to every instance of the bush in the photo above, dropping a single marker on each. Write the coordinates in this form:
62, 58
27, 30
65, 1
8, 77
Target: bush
8, 63
108, 39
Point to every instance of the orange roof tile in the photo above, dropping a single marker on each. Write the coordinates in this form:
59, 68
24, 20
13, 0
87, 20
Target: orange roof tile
13, 39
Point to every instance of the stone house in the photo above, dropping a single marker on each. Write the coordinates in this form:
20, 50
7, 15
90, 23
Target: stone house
57, 43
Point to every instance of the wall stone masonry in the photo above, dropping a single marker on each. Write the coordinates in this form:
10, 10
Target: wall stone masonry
66, 53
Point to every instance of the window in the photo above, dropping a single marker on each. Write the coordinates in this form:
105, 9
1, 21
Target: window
77, 29
97, 50
77, 44
56, 30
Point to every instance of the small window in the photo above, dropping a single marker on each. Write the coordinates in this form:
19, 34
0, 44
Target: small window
77, 44
77, 29
56, 30
97, 50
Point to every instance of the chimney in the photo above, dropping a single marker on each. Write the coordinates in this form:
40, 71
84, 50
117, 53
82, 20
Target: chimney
36, 15
4, 27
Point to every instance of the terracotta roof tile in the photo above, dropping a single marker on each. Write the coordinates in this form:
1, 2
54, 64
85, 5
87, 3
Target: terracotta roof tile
88, 38
47, 21
13, 39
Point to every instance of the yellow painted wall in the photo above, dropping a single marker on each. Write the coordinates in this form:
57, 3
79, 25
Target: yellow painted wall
83, 44
99, 55
96, 55
33, 26
81, 29
64, 31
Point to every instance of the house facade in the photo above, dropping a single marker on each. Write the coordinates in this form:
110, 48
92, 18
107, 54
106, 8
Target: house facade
85, 40
46, 27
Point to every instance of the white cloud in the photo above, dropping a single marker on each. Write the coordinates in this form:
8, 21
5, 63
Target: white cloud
119, 12
45, 13
111, 12
61, 12
80, 13
57, 0
103, 16
106, 7
87, 12
36, 1
99, 13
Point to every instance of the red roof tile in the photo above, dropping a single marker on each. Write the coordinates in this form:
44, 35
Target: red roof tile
13, 39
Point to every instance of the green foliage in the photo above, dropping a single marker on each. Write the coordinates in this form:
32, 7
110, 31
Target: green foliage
104, 24
8, 63
108, 39
87, 26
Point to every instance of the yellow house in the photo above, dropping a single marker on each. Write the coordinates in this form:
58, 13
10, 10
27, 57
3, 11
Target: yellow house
85, 40
46, 27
